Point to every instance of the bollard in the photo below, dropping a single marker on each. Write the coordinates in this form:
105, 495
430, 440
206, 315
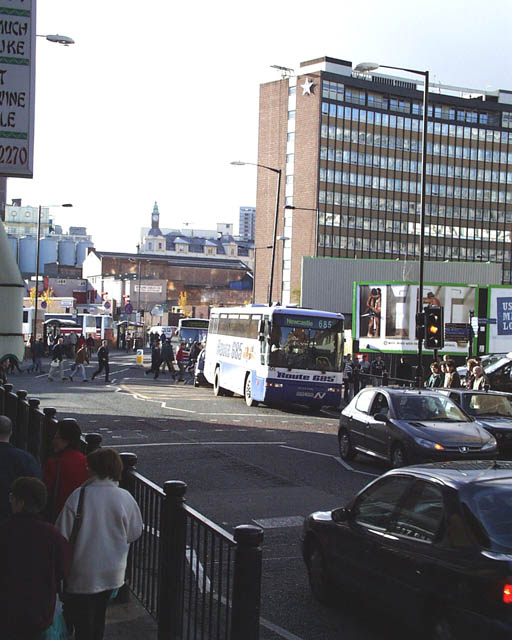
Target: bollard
171, 554
245, 612
49, 430
93, 441
22, 412
11, 407
35, 428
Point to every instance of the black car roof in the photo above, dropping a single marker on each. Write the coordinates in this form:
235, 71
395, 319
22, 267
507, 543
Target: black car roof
457, 473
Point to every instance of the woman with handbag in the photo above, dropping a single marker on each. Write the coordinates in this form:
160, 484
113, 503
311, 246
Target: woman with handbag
100, 520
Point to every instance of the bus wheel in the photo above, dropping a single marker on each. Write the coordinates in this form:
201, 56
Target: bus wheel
247, 393
217, 389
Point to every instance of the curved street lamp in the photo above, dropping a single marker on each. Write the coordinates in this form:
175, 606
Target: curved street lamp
239, 163
365, 67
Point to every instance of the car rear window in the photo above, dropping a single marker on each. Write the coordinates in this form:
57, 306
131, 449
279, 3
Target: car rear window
491, 505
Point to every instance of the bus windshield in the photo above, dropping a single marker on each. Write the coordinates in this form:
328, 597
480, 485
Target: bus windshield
193, 329
306, 342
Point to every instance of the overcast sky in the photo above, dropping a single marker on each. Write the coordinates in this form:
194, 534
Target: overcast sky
155, 99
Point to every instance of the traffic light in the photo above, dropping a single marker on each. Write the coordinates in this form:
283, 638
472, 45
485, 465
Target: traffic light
434, 328
420, 326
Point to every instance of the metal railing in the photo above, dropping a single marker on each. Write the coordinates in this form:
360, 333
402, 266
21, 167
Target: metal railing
195, 578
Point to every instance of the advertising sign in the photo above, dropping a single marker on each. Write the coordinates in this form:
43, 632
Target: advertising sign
499, 333
17, 81
385, 315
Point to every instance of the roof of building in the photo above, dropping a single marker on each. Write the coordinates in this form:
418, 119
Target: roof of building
178, 261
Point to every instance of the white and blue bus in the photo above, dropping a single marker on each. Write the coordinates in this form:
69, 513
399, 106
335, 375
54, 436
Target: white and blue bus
276, 355
192, 330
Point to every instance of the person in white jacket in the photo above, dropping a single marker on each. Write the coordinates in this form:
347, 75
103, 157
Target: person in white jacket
110, 522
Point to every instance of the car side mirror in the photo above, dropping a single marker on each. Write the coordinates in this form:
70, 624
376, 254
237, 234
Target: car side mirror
380, 417
342, 514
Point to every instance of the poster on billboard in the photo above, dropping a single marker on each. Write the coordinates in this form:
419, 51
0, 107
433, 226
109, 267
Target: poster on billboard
17, 77
499, 309
385, 314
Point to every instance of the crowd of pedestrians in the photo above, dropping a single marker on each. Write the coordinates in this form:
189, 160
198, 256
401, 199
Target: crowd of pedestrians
64, 539
444, 374
162, 356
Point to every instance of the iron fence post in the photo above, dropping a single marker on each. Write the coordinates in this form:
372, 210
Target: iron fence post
173, 529
49, 430
35, 428
93, 441
22, 411
245, 613
11, 407
2, 400
129, 463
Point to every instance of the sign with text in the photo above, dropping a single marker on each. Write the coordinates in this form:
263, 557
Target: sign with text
499, 306
17, 81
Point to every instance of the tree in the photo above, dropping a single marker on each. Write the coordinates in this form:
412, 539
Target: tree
182, 302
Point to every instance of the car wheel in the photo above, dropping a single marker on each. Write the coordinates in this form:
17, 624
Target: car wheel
319, 580
442, 629
398, 456
347, 451
217, 389
248, 394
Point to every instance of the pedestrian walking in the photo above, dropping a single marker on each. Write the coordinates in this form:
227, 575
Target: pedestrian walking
480, 380
34, 559
80, 358
356, 375
436, 377
3, 372
90, 346
156, 360
180, 361
57, 360
73, 341
14, 463
378, 367
12, 364
348, 379
110, 521
451, 378
38, 354
168, 358
365, 371
103, 364
404, 372
66, 469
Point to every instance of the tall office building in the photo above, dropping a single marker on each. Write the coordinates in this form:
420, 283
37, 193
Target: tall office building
246, 223
349, 148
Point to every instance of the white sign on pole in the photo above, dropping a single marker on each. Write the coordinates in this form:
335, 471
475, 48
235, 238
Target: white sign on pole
17, 87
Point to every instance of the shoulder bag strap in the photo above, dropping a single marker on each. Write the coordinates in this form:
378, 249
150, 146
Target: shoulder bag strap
78, 518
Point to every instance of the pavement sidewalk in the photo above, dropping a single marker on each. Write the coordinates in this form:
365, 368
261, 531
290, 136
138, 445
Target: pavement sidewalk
129, 621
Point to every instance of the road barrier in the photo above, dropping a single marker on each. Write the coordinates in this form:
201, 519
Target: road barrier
196, 579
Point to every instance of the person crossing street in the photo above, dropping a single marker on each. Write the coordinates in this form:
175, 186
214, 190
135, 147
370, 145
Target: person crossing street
103, 364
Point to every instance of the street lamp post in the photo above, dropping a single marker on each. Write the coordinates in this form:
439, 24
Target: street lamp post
276, 216
38, 244
291, 207
365, 67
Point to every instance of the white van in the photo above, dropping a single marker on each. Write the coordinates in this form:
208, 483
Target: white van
169, 331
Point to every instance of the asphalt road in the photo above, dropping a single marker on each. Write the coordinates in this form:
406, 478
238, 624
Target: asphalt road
260, 466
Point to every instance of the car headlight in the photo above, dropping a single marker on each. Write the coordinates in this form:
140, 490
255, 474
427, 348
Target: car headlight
428, 444
490, 444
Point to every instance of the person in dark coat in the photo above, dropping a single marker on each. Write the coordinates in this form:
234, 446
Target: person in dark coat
14, 463
34, 558
156, 360
404, 372
103, 361
168, 358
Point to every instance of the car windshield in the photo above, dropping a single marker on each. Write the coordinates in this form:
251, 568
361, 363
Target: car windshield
482, 404
424, 407
491, 367
308, 342
490, 506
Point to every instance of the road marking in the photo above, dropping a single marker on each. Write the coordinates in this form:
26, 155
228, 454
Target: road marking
277, 523
182, 444
335, 458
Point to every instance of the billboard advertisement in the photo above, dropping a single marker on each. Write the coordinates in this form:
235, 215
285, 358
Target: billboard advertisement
385, 314
499, 319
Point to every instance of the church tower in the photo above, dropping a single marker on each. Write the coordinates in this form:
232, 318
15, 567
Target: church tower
154, 242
